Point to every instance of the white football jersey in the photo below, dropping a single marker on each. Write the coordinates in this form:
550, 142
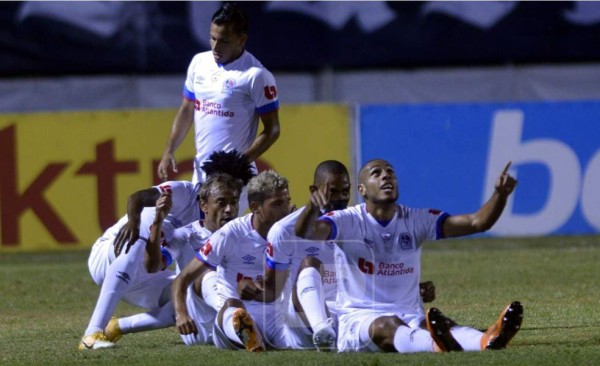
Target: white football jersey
236, 251
380, 267
182, 243
286, 251
229, 100
184, 210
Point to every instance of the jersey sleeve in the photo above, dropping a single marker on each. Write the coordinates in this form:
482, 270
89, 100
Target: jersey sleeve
263, 92
216, 249
338, 220
178, 243
429, 224
280, 248
188, 86
182, 192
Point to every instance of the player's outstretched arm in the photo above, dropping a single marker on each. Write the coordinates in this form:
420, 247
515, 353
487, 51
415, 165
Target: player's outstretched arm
130, 232
184, 119
153, 260
488, 214
266, 138
194, 269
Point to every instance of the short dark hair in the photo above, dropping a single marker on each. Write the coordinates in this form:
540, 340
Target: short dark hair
230, 13
329, 167
220, 181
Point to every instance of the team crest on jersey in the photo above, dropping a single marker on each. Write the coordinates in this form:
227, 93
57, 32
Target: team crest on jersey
405, 241
228, 86
248, 259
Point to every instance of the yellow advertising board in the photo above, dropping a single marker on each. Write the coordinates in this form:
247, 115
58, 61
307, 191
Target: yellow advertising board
65, 176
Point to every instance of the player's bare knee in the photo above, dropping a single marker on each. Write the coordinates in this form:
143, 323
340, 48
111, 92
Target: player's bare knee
382, 331
313, 262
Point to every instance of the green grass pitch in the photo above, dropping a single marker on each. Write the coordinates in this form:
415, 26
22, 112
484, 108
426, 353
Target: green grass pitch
46, 300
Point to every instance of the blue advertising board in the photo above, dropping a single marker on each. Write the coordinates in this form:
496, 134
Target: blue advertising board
448, 157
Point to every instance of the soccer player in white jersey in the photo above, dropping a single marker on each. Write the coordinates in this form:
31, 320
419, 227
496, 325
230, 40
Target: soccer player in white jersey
226, 91
307, 268
378, 259
219, 199
236, 252
125, 275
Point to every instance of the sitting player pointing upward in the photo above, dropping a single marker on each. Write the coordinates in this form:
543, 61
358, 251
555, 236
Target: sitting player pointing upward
378, 255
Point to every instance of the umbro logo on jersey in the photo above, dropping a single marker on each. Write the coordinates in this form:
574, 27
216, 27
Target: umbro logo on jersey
124, 276
312, 250
369, 243
248, 259
199, 79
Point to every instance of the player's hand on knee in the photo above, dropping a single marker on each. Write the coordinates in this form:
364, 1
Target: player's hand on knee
247, 289
127, 236
185, 324
427, 290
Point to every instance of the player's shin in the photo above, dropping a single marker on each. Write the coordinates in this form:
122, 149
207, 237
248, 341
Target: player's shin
310, 293
410, 340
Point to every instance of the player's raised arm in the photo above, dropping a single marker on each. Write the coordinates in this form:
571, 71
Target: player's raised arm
153, 257
308, 226
488, 214
184, 119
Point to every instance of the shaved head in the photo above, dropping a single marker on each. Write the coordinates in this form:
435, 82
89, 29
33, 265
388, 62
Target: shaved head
328, 168
363, 174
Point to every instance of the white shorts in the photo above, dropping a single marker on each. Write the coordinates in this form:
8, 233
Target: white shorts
203, 315
100, 258
146, 290
270, 323
350, 324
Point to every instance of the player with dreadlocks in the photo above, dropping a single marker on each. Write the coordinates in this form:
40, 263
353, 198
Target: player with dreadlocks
184, 215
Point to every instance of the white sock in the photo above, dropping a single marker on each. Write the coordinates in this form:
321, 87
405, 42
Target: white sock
468, 338
309, 288
120, 273
228, 325
409, 340
209, 290
162, 317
